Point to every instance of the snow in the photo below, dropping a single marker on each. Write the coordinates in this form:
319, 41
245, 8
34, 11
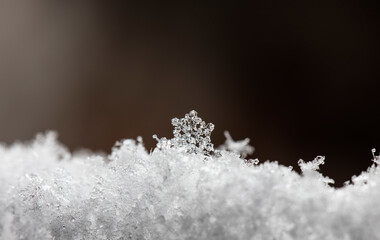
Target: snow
181, 190
191, 134
241, 147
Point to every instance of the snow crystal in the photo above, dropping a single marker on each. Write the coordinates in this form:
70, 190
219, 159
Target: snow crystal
376, 159
191, 133
241, 147
310, 169
173, 193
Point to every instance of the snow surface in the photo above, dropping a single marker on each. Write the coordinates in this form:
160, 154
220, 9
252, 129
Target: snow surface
177, 191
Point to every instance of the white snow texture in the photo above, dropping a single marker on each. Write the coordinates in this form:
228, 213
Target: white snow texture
183, 189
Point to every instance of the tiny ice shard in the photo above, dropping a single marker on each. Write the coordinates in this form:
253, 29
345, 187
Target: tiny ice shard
241, 147
312, 165
252, 162
376, 159
191, 133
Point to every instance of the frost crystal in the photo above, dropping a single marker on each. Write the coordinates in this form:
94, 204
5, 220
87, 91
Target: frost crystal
190, 133
376, 159
241, 147
310, 169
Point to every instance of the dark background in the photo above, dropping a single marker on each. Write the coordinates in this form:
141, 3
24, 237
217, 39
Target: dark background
298, 79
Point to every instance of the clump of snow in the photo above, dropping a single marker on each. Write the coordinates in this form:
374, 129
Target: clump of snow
48, 193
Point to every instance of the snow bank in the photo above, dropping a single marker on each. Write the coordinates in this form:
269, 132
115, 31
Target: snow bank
184, 189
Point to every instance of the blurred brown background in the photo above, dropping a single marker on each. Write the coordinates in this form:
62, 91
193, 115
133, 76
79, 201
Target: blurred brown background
299, 79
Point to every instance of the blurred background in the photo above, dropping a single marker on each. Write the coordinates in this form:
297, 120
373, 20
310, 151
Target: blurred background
298, 79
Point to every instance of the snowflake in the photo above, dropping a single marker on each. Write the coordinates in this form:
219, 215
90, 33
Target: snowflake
191, 133
240, 147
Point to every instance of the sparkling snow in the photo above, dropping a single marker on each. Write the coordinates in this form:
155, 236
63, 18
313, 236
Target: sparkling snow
183, 189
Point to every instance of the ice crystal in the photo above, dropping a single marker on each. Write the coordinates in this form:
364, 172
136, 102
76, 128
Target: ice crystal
252, 161
190, 133
376, 159
241, 147
310, 169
